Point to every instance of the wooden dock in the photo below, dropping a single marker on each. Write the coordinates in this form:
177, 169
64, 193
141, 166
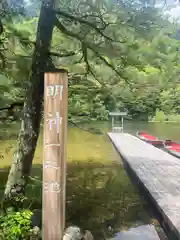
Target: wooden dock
158, 174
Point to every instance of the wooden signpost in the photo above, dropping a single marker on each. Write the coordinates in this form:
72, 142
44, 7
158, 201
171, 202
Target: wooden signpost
54, 162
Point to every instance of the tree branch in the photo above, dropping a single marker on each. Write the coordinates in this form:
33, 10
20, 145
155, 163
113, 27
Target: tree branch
97, 16
16, 104
20, 104
90, 24
64, 30
3, 60
85, 129
65, 54
27, 41
78, 19
88, 67
85, 57
1, 27
54, 54
22, 56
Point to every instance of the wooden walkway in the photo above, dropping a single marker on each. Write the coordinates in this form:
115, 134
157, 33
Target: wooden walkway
159, 174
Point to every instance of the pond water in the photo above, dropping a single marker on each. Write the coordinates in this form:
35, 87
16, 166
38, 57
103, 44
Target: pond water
100, 196
161, 130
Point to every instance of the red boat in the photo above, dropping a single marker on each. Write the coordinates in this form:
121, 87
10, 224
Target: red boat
169, 146
172, 148
150, 139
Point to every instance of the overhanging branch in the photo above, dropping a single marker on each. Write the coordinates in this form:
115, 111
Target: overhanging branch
54, 54
1, 27
64, 30
11, 106
88, 66
20, 104
63, 54
88, 23
85, 129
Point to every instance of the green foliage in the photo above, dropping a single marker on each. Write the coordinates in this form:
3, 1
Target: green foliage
16, 225
144, 53
173, 118
160, 116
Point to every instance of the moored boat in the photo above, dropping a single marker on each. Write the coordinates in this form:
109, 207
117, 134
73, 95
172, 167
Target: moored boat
150, 139
172, 147
169, 146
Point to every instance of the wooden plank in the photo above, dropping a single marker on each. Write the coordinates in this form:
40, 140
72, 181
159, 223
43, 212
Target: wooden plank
54, 164
158, 171
144, 232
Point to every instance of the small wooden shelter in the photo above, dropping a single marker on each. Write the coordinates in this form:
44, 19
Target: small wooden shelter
114, 115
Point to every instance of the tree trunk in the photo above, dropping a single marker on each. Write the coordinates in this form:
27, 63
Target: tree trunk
30, 124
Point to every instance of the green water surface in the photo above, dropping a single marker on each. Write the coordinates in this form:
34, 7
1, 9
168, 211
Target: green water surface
100, 196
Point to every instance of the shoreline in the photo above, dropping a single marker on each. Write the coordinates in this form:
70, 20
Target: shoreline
151, 121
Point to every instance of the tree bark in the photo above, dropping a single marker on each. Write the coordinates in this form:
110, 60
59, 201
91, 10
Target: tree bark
30, 124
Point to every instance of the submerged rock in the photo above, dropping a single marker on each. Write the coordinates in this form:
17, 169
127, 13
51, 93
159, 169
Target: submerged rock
75, 233
72, 233
87, 235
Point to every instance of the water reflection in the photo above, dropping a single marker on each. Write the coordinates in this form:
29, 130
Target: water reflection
100, 196
102, 199
161, 130
138, 233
